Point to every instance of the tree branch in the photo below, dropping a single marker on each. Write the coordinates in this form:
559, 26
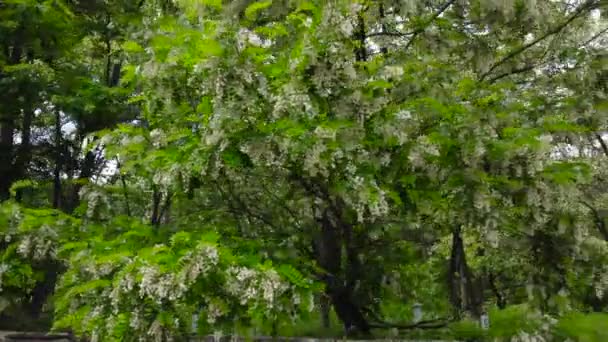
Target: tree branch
594, 37
532, 66
599, 221
587, 6
423, 28
513, 72
602, 143
389, 34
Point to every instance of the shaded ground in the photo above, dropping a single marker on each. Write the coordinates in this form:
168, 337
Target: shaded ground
5, 334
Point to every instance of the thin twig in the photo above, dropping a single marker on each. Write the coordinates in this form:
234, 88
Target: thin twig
389, 34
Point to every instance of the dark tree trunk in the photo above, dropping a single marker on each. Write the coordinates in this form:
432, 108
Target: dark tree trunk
466, 294
339, 290
155, 215
24, 152
339, 280
7, 127
324, 304
346, 309
43, 289
501, 301
7, 130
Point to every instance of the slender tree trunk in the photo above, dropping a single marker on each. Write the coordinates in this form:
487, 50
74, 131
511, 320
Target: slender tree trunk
57, 171
156, 210
24, 153
7, 130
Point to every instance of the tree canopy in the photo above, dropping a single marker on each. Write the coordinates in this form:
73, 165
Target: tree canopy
200, 166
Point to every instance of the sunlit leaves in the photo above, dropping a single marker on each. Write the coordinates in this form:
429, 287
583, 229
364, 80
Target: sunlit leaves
257, 6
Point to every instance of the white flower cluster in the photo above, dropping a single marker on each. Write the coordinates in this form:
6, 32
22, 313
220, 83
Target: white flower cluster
601, 286
158, 137
292, 99
314, 163
171, 286
394, 129
198, 263
214, 312
140, 281
157, 285
166, 178
527, 337
368, 199
251, 285
39, 246
160, 286
95, 200
262, 154
424, 147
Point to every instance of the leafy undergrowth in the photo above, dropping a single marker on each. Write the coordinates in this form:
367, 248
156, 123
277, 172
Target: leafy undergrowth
583, 327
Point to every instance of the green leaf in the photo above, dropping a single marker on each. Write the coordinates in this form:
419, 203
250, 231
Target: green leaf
217, 4
132, 47
252, 10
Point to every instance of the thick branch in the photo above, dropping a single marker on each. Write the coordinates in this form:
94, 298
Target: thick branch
599, 220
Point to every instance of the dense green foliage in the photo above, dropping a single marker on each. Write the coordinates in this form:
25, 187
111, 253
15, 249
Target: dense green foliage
265, 167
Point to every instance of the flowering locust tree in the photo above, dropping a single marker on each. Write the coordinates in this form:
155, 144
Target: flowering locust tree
392, 151
335, 130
